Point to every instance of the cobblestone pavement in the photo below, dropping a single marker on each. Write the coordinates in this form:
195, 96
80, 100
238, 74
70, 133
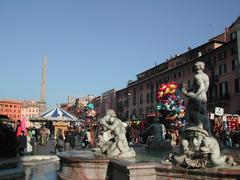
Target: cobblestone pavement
48, 149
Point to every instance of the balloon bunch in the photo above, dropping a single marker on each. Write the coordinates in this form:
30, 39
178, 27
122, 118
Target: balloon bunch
91, 113
166, 89
170, 103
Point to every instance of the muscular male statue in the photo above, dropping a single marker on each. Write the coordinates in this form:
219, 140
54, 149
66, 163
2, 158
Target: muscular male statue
197, 106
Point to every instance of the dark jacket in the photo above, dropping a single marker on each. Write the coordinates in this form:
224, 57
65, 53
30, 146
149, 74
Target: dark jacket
22, 141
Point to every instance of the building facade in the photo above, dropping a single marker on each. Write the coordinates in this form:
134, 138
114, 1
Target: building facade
11, 108
104, 102
221, 57
30, 109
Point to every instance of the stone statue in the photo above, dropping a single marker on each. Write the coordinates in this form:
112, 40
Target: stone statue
157, 132
197, 105
210, 146
117, 146
199, 150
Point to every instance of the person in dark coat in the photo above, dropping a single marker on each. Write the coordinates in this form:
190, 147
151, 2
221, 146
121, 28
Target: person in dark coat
22, 143
60, 142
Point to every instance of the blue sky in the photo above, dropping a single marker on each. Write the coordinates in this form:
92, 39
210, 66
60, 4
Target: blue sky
93, 46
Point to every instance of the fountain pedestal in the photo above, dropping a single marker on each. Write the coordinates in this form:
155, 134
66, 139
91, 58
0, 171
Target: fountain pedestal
82, 165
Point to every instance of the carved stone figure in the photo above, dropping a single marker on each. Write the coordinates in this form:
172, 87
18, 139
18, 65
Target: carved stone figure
197, 105
157, 132
118, 145
199, 150
210, 146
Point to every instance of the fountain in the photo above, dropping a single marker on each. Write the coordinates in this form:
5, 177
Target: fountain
199, 155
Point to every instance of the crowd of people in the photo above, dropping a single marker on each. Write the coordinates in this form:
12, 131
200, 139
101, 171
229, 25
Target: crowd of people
16, 141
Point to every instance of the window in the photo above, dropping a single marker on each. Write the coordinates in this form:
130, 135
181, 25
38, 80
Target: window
211, 60
175, 75
233, 35
167, 77
134, 112
152, 96
126, 93
234, 50
141, 112
223, 89
237, 87
147, 109
126, 115
222, 56
147, 97
152, 85
141, 87
141, 99
179, 73
157, 85
222, 69
148, 85
134, 100
235, 63
126, 103
213, 93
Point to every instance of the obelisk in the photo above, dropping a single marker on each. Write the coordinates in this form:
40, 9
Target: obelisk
42, 102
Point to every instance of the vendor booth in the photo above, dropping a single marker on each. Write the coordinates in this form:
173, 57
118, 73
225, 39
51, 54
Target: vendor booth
55, 119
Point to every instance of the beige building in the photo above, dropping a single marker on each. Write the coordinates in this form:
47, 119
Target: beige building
104, 102
221, 57
30, 109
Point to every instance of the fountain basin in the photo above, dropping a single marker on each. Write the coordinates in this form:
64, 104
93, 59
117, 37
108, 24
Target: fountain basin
86, 165
28, 166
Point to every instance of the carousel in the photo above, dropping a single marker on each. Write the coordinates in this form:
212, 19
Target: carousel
55, 119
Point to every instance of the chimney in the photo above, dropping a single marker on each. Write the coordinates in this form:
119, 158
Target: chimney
225, 34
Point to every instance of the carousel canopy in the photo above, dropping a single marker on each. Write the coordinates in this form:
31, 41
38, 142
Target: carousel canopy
55, 114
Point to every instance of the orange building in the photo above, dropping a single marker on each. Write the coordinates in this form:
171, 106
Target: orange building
11, 108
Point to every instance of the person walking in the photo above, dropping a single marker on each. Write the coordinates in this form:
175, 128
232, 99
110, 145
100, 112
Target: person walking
22, 143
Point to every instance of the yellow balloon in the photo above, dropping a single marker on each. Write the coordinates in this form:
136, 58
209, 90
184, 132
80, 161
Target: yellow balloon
161, 94
167, 91
173, 91
173, 86
164, 87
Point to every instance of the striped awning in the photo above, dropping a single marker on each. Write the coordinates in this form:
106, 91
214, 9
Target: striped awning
55, 114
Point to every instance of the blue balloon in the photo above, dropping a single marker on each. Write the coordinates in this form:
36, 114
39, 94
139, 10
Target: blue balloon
90, 106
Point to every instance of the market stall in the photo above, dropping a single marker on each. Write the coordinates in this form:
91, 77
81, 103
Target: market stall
55, 119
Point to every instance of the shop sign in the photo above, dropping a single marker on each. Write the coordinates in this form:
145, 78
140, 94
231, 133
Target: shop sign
219, 111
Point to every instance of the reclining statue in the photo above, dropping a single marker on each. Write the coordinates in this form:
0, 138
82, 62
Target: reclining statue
199, 150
